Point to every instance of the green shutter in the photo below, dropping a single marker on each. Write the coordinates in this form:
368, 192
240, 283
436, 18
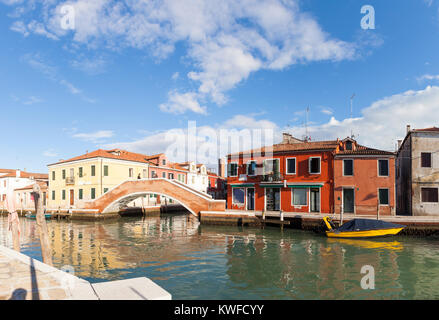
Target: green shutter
93, 171
64, 194
106, 171
80, 172
64, 174
93, 193
53, 195
80, 194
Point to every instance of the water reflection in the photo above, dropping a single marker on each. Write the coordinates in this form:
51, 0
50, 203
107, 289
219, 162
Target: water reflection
218, 262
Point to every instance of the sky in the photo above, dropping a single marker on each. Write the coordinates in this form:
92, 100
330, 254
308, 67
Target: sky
80, 75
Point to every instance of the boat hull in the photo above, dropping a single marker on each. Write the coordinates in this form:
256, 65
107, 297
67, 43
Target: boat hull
364, 233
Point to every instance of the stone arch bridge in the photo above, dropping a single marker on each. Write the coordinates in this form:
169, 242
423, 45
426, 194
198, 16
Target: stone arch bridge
193, 200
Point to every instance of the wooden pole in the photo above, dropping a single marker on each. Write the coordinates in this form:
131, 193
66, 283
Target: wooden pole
13, 219
378, 209
341, 214
46, 251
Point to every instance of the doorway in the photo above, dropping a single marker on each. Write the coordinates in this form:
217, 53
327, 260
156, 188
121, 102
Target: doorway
272, 198
314, 195
348, 200
72, 197
250, 198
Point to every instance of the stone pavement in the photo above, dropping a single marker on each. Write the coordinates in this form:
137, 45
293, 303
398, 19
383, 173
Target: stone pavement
24, 278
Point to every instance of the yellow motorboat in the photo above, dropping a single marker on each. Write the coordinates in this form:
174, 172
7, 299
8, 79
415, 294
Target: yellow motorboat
362, 228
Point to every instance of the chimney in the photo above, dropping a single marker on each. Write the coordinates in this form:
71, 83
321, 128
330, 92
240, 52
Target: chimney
399, 144
18, 173
221, 168
408, 128
286, 137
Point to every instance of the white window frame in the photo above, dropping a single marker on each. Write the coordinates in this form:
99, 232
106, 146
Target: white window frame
306, 198
388, 168
344, 175
233, 197
320, 165
295, 166
237, 168
247, 163
388, 197
263, 164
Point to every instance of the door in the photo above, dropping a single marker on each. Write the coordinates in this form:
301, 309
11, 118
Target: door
72, 197
348, 200
272, 198
250, 198
315, 200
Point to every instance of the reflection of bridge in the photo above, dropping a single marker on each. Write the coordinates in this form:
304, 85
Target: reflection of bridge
193, 200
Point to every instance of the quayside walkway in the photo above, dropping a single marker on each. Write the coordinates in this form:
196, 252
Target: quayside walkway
24, 278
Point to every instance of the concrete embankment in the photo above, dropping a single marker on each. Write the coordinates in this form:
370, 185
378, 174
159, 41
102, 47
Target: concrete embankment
418, 226
24, 278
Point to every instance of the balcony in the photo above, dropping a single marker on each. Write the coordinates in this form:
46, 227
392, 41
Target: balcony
70, 181
272, 177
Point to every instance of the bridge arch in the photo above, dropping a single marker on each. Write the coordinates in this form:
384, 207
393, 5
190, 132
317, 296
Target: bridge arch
194, 201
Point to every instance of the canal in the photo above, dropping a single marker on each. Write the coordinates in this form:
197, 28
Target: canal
194, 261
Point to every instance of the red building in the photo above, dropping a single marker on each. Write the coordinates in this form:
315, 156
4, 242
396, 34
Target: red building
292, 176
364, 180
312, 176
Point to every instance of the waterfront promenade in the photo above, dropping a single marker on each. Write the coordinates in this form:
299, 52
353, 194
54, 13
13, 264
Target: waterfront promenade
24, 278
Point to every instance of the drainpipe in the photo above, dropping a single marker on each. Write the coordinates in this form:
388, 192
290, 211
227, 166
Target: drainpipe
101, 175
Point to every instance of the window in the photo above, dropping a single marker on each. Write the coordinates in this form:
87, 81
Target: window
271, 166
153, 174
53, 175
93, 193
251, 168
232, 169
426, 160
64, 174
93, 171
238, 196
106, 171
291, 166
348, 167
383, 168
53, 194
164, 174
80, 194
130, 172
383, 196
144, 174
170, 176
105, 190
64, 194
314, 165
164, 162
429, 194
299, 196
80, 172
348, 145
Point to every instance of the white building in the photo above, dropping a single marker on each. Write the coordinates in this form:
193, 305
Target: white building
197, 176
17, 179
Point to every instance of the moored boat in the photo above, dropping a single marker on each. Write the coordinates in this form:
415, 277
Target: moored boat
362, 228
33, 216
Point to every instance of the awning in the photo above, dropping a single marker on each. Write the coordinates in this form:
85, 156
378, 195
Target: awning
304, 186
280, 185
243, 185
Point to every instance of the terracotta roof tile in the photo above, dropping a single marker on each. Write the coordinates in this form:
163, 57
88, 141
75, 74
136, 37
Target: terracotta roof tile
24, 174
43, 186
432, 129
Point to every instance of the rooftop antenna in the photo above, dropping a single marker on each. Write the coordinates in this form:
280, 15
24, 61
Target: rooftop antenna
306, 125
352, 99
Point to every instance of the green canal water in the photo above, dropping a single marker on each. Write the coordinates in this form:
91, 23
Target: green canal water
193, 261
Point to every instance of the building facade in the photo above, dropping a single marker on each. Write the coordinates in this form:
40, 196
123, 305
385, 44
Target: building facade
417, 178
293, 176
364, 180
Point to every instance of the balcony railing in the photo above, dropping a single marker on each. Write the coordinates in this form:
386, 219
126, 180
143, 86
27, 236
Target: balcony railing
272, 177
70, 180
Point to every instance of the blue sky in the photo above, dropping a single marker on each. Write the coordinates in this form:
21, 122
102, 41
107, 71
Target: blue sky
130, 71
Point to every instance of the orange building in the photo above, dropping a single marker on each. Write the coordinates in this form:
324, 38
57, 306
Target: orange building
312, 176
364, 180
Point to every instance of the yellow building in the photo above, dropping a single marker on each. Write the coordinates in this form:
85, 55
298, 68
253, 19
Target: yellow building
90, 175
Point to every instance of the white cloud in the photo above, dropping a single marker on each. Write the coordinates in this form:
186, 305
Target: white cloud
427, 77
50, 153
327, 110
248, 122
179, 103
175, 76
32, 100
384, 121
226, 40
95, 137
89, 65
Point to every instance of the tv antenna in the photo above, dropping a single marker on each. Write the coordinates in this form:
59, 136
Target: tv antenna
352, 99
306, 125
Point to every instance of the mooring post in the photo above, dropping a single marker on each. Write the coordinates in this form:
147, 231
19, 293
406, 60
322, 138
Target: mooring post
46, 251
378, 209
341, 214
